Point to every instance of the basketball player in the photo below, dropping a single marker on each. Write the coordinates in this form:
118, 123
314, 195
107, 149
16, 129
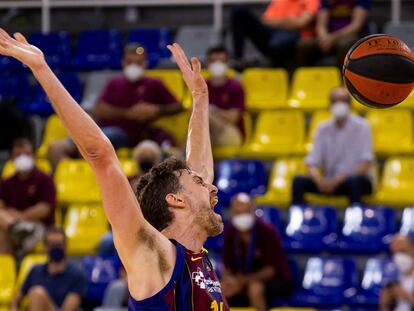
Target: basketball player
159, 233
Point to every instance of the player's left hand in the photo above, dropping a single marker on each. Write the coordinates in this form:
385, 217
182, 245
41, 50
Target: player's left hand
191, 72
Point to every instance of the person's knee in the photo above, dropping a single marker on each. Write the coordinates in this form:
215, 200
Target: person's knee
299, 180
256, 289
37, 293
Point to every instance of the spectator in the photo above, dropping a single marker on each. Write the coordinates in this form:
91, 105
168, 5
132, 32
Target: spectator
126, 107
116, 294
339, 24
57, 285
281, 26
398, 295
226, 101
27, 199
342, 149
255, 265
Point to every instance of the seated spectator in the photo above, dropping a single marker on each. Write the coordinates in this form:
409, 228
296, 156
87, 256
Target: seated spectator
146, 154
342, 149
255, 265
57, 285
398, 294
126, 107
27, 199
275, 35
339, 24
116, 294
226, 101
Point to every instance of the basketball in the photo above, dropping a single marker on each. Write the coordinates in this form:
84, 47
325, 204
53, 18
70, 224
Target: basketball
379, 71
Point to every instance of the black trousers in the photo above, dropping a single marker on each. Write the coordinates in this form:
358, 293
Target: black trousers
354, 187
277, 44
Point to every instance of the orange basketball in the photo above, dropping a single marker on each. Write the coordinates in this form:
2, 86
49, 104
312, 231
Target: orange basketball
379, 71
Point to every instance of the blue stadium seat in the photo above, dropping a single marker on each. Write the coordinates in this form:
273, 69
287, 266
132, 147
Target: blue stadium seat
98, 49
14, 87
217, 263
154, 40
366, 230
215, 244
270, 214
99, 272
325, 282
296, 277
310, 229
239, 175
55, 46
377, 273
10, 64
39, 103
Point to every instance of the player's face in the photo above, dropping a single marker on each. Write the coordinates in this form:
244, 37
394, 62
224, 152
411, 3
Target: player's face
201, 197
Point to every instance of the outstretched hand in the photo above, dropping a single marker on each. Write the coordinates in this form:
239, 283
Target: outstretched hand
20, 49
191, 72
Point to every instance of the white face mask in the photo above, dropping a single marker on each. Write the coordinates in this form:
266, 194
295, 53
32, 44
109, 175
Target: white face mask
340, 109
218, 69
23, 163
134, 72
403, 261
243, 222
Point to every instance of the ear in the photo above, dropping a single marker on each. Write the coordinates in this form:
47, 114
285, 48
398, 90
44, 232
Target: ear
175, 200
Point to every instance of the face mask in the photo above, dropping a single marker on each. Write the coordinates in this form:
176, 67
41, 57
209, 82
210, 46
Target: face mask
134, 72
403, 261
340, 109
23, 163
243, 222
217, 69
56, 254
146, 165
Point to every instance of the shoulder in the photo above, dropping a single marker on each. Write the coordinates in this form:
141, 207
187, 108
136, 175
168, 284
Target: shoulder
73, 270
325, 126
359, 122
117, 80
152, 81
39, 269
265, 228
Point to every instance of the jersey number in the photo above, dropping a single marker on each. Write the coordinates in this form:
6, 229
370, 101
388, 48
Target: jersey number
215, 306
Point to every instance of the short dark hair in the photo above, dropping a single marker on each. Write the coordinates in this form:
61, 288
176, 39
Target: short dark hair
20, 141
153, 187
54, 229
217, 49
134, 48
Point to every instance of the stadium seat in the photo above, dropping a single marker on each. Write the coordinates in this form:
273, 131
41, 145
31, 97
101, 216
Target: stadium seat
172, 79
311, 87
154, 40
366, 230
377, 272
271, 215
56, 47
176, 125
40, 103
265, 88
15, 87
129, 167
84, 224
10, 64
310, 229
238, 175
397, 183
7, 278
75, 182
54, 130
389, 127
226, 152
98, 49
26, 266
214, 244
277, 133
407, 103
292, 309
280, 181
242, 309
9, 170
325, 281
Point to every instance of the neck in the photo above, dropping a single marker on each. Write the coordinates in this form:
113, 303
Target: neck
340, 123
218, 81
56, 267
187, 234
24, 175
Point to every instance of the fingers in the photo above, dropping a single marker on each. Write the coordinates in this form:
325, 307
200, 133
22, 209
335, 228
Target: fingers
19, 37
180, 57
196, 65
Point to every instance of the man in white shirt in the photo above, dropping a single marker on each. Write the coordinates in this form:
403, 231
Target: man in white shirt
399, 295
342, 150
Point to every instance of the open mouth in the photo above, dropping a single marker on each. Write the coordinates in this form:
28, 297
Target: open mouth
214, 202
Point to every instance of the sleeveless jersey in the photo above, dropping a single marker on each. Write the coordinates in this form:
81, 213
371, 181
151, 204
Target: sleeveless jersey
194, 286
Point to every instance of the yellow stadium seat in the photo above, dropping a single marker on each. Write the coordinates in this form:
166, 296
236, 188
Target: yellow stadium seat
280, 181
7, 278
123, 153
407, 103
311, 87
277, 133
172, 80
84, 225
75, 182
392, 131
54, 130
129, 166
27, 264
397, 182
243, 309
265, 88
176, 125
225, 152
292, 309
9, 169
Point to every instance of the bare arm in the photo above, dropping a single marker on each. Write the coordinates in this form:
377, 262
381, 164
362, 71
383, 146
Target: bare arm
71, 302
229, 115
199, 154
37, 211
14, 306
314, 173
322, 23
104, 110
264, 274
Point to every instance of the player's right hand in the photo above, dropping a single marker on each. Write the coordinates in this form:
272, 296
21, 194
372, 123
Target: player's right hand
20, 49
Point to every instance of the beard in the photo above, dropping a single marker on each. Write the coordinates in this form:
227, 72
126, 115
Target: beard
210, 221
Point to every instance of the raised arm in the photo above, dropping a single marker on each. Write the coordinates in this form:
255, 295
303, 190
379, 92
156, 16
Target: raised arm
199, 154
